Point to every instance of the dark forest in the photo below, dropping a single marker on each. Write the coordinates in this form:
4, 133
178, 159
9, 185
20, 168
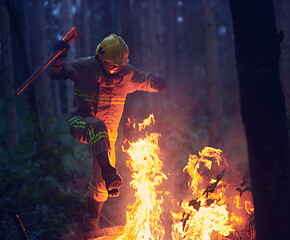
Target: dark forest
226, 64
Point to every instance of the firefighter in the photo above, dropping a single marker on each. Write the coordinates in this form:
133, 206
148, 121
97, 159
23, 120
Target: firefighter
101, 83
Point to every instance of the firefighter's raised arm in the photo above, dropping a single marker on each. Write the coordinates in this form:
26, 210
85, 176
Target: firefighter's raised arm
71, 35
149, 82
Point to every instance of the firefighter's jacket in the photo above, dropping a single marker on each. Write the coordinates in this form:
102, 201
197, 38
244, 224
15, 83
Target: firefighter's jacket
99, 94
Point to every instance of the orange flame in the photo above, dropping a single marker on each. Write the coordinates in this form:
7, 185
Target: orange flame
143, 216
208, 214
146, 122
249, 207
237, 202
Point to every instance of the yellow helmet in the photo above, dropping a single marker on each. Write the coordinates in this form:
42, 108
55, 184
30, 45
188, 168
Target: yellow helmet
114, 50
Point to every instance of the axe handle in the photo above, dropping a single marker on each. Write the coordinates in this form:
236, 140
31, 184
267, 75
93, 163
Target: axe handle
37, 72
72, 35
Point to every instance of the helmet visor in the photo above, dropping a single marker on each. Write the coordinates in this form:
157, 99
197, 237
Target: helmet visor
111, 68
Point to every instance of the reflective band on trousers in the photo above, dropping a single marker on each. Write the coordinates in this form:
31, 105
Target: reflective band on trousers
96, 137
99, 194
73, 120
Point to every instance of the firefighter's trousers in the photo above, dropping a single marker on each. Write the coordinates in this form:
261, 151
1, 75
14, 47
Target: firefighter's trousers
94, 132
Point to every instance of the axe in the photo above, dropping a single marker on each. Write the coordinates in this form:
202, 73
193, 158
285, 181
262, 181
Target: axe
71, 35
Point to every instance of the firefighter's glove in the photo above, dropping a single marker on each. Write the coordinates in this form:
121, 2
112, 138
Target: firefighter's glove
61, 45
158, 83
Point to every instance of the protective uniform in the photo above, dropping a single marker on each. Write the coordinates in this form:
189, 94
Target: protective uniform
99, 100
101, 84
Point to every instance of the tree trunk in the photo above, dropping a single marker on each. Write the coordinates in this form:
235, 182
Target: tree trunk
169, 53
263, 114
108, 23
86, 31
39, 53
215, 105
152, 30
11, 133
56, 86
22, 61
126, 26
152, 47
283, 10
68, 22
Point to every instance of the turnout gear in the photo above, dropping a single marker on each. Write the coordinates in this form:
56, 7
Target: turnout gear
114, 193
92, 216
94, 132
71, 35
60, 45
114, 50
111, 68
158, 83
99, 100
109, 173
101, 84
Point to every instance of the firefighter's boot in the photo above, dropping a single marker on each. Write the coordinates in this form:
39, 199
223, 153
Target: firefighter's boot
109, 173
92, 216
114, 193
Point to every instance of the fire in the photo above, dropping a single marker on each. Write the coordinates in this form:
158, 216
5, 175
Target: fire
249, 207
209, 212
143, 216
207, 216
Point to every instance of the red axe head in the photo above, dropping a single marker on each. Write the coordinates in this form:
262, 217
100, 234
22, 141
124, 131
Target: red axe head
72, 35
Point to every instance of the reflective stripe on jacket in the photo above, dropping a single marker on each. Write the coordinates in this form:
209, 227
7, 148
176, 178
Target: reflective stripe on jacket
99, 94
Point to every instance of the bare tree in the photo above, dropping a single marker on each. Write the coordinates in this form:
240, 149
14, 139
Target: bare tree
169, 50
11, 132
263, 114
282, 13
215, 106
68, 22
20, 43
86, 31
38, 54
56, 86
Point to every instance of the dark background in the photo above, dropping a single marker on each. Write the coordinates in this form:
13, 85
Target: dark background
190, 43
